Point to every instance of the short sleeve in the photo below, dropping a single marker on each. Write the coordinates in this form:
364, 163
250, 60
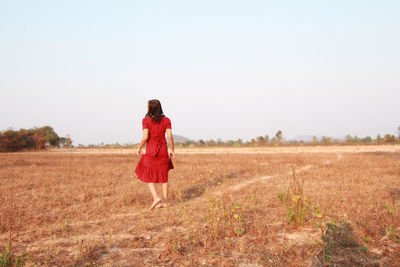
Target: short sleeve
167, 123
145, 123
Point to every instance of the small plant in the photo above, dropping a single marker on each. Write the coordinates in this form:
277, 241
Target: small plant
335, 237
213, 218
8, 259
392, 234
328, 238
223, 219
297, 205
297, 211
366, 239
282, 196
65, 225
239, 221
179, 193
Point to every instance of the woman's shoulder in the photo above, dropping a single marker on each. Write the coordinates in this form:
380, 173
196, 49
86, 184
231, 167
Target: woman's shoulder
166, 120
146, 119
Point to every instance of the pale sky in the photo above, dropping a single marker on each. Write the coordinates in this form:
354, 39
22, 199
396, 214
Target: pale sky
221, 69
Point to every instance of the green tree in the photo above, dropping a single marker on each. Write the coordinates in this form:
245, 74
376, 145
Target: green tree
279, 136
230, 142
366, 139
349, 139
48, 135
10, 142
28, 139
260, 139
389, 138
326, 140
210, 142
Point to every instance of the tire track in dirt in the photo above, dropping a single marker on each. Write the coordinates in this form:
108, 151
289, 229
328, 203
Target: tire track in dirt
239, 186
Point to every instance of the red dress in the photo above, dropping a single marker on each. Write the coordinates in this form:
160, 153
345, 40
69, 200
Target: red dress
153, 166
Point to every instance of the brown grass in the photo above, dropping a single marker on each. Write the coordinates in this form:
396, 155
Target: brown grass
90, 209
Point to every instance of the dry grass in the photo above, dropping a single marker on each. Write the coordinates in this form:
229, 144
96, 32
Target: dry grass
89, 209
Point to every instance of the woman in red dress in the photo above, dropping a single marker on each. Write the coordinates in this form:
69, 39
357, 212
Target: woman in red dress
153, 166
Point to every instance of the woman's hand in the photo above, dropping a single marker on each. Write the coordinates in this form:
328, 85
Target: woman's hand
171, 143
144, 140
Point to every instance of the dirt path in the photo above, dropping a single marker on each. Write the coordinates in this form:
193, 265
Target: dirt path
239, 186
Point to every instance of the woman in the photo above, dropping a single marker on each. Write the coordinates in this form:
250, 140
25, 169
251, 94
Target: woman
153, 166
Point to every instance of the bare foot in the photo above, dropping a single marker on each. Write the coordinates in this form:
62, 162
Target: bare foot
162, 205
155, 202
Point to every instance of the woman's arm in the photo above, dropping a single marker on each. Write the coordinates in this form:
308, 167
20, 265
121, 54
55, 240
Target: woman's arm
144, 139
171, 142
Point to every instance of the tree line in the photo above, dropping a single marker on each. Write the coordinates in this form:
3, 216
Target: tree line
36, 138
278, 139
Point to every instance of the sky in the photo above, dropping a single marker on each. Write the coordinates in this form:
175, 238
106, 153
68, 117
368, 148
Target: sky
221, 69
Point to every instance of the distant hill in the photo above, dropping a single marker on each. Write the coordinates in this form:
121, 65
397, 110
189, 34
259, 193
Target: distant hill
180, 139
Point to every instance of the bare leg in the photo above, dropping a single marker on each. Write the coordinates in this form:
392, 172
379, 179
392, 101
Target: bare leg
165, 190
156, 198
164, 187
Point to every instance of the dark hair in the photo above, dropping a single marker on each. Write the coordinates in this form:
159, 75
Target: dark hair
155, 110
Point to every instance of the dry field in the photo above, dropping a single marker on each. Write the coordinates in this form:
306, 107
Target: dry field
249, 207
